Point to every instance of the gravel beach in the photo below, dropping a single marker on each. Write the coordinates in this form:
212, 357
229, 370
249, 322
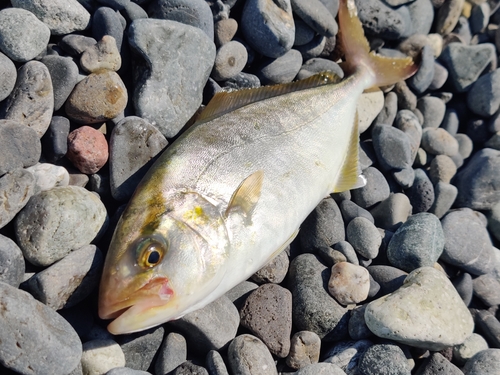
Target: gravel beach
401, 276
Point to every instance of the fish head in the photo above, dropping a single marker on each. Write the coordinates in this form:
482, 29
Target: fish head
162, 261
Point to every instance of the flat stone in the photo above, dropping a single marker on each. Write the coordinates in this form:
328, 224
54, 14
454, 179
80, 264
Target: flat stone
101, 355
172, 353
439, 142
140, 348
303, 33
8, 75
75, 44
433, 110
304, 349
35, 339
32, 100
392, 147
16, 188
20, 146
351, 210
349, 283
11, 262
282, 69
318, 65
102, 55
346, 249
247, 354
170, 75
97, 98
426, 295
230, 60
49, 226
389, 278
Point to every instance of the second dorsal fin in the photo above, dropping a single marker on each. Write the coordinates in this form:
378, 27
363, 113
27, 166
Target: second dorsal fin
225, 102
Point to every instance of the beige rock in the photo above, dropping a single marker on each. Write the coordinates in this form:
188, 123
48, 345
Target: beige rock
369, 106
103, 55
100, 356
349, 283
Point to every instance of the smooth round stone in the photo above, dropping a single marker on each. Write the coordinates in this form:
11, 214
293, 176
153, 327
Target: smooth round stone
465, 63
323, 227
440, 77
211, 327
35, 339
384, 359
22, 35
64, 75
375, 190
8, 75
172, 353
32, 100
389, 111
451, 121
347, 354
484, 96
319, 65
422, 15
358, 330
140, 348
439, 142
20, 146
346, 249
384, 21
270, 302
215, 363
406, 98
61, 16
174, 75
224, 31
474, 344
368, 107
349, 283
48, 176
102, 55
389, 278
351, 210
436, 363
101, 355
280, 70
126, 371
408, 122
448, 15
418, 242
268, 26
11, 262
421, 193
421, 80
49, 226
304, 349
240, 293
364, 236
247, 355
404, 315
195, 13
97, 98
106, 21
479, 18
303, 33
16, 188
316, 15
463, 285
230, 60
55, 139
392, 212
445, 195
392, 147
312, 49
87, 149
433, 110
75, 44
133, 11
320, 369
442, 169
274, 271
487, 289
477, 181
485, 363
70, 280
494, 220
313, 308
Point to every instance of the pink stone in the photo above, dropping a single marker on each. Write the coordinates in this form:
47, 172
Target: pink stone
87, 149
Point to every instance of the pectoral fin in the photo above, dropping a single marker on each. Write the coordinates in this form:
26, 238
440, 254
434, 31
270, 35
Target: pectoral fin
246, 196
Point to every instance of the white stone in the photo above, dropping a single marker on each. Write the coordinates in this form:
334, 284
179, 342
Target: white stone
471, 346
49, 176
369, 106
100, 356
349, 283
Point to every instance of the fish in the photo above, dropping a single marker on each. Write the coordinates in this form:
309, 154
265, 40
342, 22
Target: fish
231, 192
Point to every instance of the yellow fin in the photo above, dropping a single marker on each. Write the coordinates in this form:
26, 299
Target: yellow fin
385, 70
246, 196
283, 247
350, 174
225, 102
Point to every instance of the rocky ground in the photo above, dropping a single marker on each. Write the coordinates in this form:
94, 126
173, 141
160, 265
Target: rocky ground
401, 276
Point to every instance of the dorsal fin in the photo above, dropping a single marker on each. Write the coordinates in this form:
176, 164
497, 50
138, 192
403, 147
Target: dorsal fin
225, 102
246, 196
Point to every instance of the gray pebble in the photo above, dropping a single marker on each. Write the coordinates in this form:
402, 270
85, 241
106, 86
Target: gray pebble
494, 221
61, 16
16, 188
35, 339
316, 15
11, 262
485, 363
448, 15
140, 348
417, 243
240, 293
230, 60
425, 74
274, 271
32, 100
358, 330
126, 371
55, 139
75, 44
20, 146
215, 364
64, 75
493, 142
389, 278
8, 75
380, 19
304, 349
347, 354
347, 250
467, 242
392, 212
440, 76
22, 35
437, 364
172, 353
224, 31
477, 130
313, 308
463, 285
101, 355
318, 65
488, 325
161, 82
320, 369
134, 147
433, 110
444, 197
280, 70
189, 368
392, 147
375, 190
484, 96
211, 327
477, 181
268, 26
384, 359
451, 121
408, 122
133, 11
49, 226
474, 344
439, 142
303, 33
242, 81
247, 354
422, 15
106, 21
351, 210
312, 49
442, 169
479, 17
388, 113
406, 98
364, 237
421, 193
487, 289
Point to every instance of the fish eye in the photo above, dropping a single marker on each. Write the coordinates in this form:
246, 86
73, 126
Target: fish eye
150, 252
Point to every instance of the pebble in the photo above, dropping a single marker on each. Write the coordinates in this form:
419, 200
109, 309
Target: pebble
16, 188
304, 349
479, 17
477, 130
433, 110
436, 363
273, 272
442, 168
55, 139
49, 226
238, 294
358, 330
230, 60
320, 369
477, 181
451, 121
485, 362
280, 70
426, 295
242, 81
268, 26
425, 74
364, 237
349, 283
224, 31
312, 49
484, 96
64, 76
494, 221
31, 101
438, 141
417, 243
347, 354
215, 364
22, 35
376, 189
351, 210
211, 327
102, 55
159, 88
126, 371
248, 355
384, 21
315, 14
389, 111
270, 302
87, 149
392, 147
101, 355
448, 15
444, 196
392, 212
313, 308
421, 193
75, 44
346, 249
195, 13
440, 77
106, 21
303, 33
389, 278
8, 75
487, 289
408, 122
48, 176
172, 353
11, 262
35, 339
474, 344
368, 107
489, 326
493, 142
97, 98
318, 65
384, 359
188, 368
463, 285
140, 348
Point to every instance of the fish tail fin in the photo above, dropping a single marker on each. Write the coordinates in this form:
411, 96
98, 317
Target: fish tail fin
383, 70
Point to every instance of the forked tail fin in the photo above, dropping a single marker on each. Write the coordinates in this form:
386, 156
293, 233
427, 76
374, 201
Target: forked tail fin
384, 70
